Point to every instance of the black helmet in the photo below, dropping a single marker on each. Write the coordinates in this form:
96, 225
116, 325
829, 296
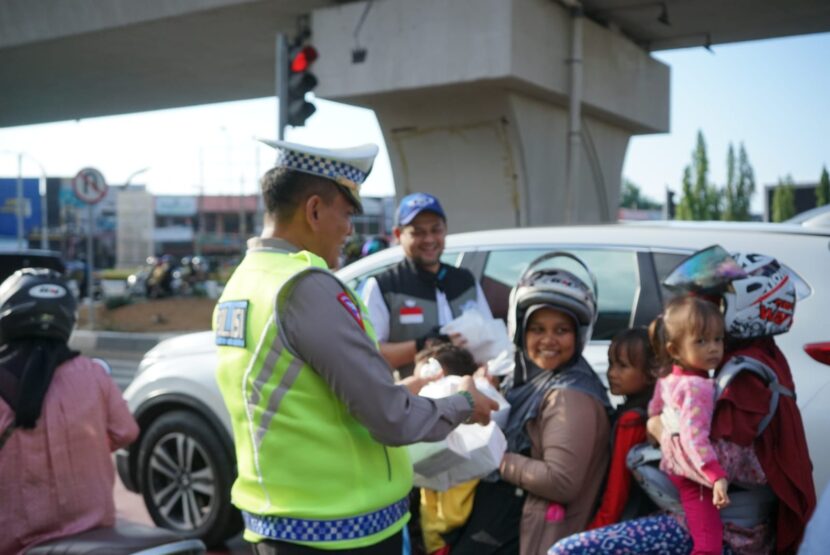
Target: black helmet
35, 302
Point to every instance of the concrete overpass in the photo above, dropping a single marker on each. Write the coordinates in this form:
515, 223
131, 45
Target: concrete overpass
517, 112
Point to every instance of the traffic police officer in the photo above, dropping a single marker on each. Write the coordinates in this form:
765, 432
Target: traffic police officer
317, 419
409, 302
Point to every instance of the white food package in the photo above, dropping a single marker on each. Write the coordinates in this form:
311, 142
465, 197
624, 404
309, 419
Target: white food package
448, 385
468, 452
484, 446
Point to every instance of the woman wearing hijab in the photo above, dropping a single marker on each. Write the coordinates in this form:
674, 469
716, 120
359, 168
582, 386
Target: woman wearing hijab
61, 416
558, 430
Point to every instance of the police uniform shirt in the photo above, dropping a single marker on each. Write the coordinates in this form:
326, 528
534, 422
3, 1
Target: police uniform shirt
380, 316
327, 335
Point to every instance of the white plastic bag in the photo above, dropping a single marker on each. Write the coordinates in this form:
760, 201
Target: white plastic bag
430, 458
448, 385
502, 364
499, 416
486, 337
470, 451
485, 447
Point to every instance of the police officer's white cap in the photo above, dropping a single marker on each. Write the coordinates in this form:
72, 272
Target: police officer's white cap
348, 167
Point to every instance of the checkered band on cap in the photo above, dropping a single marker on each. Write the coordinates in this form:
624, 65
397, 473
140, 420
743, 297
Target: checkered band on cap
307, 530
318, 165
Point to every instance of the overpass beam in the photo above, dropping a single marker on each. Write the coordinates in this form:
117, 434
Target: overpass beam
474, 98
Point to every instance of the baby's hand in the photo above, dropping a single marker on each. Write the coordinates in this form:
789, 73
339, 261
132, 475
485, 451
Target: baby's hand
720, 498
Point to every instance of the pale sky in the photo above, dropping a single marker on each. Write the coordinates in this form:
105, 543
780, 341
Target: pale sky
774, 96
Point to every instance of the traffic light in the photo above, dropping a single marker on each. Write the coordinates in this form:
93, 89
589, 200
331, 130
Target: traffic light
669, 208
300, 81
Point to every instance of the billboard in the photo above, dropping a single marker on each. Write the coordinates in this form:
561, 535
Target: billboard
169, 205
8, 206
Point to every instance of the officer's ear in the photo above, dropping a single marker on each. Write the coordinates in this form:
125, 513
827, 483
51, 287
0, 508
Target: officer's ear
396, 231
313, 210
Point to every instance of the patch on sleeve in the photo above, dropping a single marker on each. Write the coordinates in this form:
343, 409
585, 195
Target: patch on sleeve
231, 321
353, 309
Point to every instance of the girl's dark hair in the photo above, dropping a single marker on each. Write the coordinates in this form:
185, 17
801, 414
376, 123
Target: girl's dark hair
682, 315
635, 344
454, 360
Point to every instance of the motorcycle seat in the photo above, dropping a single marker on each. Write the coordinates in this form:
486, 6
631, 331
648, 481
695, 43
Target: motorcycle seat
125, 538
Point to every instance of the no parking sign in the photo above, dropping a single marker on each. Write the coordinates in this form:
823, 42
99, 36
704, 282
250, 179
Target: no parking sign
89, 186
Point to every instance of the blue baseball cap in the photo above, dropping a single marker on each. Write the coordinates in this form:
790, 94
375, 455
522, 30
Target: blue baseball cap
414, 204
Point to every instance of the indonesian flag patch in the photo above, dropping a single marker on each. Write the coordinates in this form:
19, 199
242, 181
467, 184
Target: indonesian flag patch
411, 314
349, 305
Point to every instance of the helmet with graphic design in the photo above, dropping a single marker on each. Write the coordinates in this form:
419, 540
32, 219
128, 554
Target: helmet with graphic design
762, 303
36, 302
557, 288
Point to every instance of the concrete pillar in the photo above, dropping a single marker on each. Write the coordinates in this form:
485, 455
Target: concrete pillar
472, 98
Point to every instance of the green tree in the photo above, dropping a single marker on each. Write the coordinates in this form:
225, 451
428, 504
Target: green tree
632, 197
740, 185
700, 199
823, 190
783, 200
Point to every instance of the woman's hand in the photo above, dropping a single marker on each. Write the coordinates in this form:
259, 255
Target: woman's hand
482, 405
654, 429
720, 498
481, 372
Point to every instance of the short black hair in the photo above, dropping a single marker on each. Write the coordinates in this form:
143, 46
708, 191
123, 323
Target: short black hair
455, 361
284, 190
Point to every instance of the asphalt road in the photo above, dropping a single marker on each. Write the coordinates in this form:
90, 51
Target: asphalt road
124, 365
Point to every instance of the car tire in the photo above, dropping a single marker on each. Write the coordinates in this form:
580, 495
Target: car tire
185, 476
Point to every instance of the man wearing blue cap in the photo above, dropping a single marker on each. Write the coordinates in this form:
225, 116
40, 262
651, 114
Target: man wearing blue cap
316, 416
410, 302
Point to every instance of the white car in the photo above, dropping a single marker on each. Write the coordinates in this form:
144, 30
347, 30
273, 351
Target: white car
183, 462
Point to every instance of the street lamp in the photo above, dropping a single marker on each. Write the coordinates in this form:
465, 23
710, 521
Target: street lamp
44, 220
132, 175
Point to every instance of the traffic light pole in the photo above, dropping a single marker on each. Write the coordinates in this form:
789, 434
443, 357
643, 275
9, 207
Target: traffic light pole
282, 84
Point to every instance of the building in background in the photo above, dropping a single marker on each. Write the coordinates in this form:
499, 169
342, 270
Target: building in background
131, 224
175, 224
805, 198
135, 225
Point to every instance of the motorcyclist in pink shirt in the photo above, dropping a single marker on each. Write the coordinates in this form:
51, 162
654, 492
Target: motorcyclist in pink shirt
61, 416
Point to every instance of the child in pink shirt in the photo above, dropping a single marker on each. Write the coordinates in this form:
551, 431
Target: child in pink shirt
689, 338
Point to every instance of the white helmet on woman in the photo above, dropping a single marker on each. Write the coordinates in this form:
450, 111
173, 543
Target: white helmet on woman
763, 302
558, 288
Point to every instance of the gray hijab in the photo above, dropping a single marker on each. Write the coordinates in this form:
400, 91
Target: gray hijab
529, 384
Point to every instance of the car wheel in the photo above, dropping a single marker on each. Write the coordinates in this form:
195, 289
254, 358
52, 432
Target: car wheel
186, 477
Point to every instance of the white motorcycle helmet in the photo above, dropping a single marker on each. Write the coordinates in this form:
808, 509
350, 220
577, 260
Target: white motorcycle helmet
558, 288
762, 303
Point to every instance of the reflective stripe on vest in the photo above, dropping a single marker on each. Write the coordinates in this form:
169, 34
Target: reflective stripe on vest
319, 531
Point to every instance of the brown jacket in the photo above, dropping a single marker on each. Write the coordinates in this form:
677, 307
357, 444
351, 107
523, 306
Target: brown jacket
569, 458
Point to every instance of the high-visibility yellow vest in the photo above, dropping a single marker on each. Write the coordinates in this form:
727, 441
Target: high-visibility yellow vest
308, 472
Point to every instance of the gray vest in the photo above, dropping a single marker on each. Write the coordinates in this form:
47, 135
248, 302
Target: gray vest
409, 294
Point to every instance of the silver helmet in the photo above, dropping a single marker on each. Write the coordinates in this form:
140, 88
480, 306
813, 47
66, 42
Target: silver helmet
558, 288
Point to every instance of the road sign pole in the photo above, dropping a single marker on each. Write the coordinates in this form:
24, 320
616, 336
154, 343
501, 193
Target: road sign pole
282, 85
90, 187
90, 285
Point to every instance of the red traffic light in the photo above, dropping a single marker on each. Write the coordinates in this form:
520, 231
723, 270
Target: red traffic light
303, 59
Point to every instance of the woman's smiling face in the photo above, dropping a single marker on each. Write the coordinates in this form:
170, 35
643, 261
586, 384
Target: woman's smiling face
550, 338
